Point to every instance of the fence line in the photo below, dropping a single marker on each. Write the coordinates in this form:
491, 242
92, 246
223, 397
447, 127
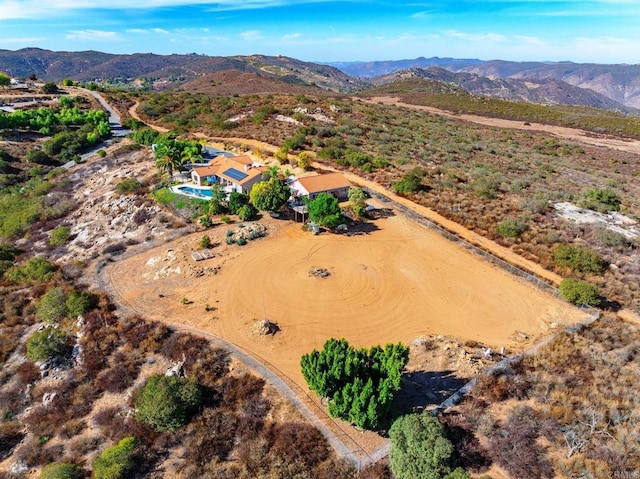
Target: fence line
357, 455
488, 256
457, 396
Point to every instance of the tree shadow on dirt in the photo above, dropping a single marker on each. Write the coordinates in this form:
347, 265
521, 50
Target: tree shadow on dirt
421, 389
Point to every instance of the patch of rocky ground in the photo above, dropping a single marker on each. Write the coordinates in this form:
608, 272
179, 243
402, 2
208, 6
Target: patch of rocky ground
105, 221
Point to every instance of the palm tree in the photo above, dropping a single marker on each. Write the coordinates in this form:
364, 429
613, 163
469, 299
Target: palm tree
168, 157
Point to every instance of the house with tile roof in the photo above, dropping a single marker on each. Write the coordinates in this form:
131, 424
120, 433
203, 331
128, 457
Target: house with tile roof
236, 173
311, 186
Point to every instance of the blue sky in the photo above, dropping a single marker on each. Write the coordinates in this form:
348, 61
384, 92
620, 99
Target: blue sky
601, 31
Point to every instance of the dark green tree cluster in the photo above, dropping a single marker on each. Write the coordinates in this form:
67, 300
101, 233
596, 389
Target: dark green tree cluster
46, 120
324, 210
167, 402
359, 383
421, 450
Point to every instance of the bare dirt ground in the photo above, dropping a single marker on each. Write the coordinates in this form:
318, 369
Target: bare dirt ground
573, 134
397, 282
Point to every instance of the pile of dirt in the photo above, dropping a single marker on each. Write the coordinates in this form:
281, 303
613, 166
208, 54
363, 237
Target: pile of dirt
264, 328
319, 272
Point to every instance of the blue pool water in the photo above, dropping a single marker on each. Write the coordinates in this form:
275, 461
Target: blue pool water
204, 193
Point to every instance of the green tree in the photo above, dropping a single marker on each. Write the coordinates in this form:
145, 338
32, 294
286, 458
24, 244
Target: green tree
61, 470
247, 212
270, 195
168, 402
116, 462
5, 80
325, 210
218, 198
145, 136
358, 201
168, 157
420, 448
580, 292
237, 201
52, 306
67, 82
578, 258
80, 302
47, 343
50, 88
305, 160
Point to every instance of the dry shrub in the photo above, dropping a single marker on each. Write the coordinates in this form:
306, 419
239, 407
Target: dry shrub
33, 453
514, 446
119, 376
202, 362
298, 442
10, 435
211, 437
237, 391
27, 373
82, 445
379, 470
471, 454
145, 335
72, 428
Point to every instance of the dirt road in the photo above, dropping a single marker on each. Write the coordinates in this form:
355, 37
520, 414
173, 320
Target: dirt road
572, 134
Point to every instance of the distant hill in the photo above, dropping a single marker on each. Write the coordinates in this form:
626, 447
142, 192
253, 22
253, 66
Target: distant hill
546, 91
171, 69
237, 82
619, 82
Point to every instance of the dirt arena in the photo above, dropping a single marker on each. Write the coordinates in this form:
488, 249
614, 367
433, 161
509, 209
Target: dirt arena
394, 283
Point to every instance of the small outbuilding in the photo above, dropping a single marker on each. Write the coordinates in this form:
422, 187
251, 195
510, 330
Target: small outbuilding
311, 186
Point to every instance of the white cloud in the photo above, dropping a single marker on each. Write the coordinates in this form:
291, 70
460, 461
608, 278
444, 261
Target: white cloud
22, 40
250, 35
90, 35
40, 9
291, 36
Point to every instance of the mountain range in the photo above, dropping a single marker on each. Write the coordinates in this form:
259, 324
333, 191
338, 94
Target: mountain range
615, 87
618, 82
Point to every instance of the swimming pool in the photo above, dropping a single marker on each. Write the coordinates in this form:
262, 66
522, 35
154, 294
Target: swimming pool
200, 192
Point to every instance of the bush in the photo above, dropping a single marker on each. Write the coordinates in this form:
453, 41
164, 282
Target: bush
50, 88
419, 448
511, 227
52, 306
46, 344
36, 269
410, 183
61, 470
128, 185
168, 402
59, 236
578, 258
237, 201
580, 292
602, 200
117, 461
205, 242
247, 212
80, 302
